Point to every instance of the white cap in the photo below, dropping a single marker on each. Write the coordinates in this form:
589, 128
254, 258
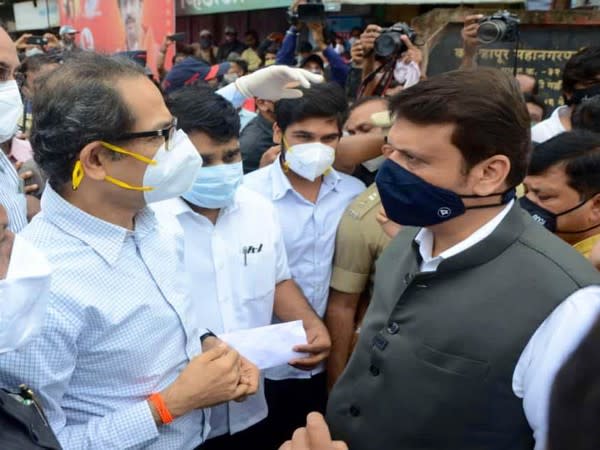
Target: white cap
67, 29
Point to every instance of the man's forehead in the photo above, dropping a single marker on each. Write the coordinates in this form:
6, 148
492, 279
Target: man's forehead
368, 109
314, 125
554, 176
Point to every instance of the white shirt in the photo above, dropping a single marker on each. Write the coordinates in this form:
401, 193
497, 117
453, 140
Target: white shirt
551, 344
232, 269
552, 126
309, 233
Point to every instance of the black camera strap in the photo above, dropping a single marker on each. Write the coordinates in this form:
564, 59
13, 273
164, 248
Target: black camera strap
516, 53
388, 72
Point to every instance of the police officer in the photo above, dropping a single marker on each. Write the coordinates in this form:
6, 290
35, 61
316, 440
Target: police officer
359, 242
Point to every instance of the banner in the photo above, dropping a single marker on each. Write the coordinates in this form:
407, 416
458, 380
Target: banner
196, 7
111, 26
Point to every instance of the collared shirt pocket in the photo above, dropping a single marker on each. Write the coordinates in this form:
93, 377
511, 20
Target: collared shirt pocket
256, 275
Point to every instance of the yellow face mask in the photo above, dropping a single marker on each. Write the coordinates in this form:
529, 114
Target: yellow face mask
78, 172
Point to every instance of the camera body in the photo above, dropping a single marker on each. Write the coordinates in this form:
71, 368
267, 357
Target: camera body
37, 40
389, 43
310, 12
502, 26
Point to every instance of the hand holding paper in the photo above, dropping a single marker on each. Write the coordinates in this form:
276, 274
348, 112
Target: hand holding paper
269, 346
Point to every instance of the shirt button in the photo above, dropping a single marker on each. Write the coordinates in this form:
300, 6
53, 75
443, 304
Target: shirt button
374, 371
393, 328
354, 411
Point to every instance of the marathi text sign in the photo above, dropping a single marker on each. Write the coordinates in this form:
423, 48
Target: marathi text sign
196, 7
544, 51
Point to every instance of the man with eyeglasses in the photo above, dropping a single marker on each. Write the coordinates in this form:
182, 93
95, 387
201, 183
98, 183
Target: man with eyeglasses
118, 362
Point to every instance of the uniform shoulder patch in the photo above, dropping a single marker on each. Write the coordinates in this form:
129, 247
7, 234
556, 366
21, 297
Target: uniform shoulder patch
364, 203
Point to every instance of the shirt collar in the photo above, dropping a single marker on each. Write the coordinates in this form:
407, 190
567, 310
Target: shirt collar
424, 238
180, 207
585, 247
105, 238
280, 183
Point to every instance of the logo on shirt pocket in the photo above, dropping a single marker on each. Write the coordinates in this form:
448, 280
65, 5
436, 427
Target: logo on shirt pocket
251, 250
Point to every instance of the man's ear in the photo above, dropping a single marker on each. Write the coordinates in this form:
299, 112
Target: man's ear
490, 175
93, 158
595, 209
277, 134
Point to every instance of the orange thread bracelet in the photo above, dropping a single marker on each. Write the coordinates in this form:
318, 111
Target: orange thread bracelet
161, 408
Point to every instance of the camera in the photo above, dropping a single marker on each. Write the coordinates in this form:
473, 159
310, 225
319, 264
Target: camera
389, 44
310, 12
502, 26
37, 40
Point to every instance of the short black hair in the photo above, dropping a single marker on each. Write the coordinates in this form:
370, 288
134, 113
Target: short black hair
536, 100
324, 100
200, 108
77, 104
242, 63
582, 67
313, 58
579, 151
368, 99
252, 33
486, 108
586, 115
575, 398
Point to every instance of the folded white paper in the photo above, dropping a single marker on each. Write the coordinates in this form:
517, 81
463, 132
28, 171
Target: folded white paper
268, 346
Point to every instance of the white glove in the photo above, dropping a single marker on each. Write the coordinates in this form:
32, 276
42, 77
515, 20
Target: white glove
271, 82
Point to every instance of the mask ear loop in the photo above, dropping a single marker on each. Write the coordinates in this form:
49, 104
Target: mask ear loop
77, 175
124, 185
286, 147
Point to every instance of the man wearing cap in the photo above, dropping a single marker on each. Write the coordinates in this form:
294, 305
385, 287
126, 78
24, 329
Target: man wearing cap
192, 70
230, 45
67, 38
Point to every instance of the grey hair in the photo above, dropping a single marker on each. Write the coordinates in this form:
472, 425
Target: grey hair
75, 105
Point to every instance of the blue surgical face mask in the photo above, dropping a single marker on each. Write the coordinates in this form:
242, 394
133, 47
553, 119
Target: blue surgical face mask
215, 186
410, 200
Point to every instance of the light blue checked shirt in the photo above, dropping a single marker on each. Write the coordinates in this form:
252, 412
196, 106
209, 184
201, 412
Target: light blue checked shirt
119, 327
12, 196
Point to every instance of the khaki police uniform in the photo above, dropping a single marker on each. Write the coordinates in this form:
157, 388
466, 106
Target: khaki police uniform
359, 242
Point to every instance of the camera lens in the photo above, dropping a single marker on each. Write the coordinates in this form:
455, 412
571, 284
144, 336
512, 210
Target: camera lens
491, 31
388, 44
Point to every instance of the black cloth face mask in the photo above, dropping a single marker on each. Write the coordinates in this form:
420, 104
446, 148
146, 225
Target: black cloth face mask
547, 218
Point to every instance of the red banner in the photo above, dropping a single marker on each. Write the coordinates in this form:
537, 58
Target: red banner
110, 26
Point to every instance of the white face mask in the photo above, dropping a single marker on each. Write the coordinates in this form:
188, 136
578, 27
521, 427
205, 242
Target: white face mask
374, 164
310, 160
230, 77
174, 172
23, 296
11, 109
407, 74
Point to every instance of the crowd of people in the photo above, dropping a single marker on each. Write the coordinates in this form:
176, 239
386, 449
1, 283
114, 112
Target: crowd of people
415, 259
